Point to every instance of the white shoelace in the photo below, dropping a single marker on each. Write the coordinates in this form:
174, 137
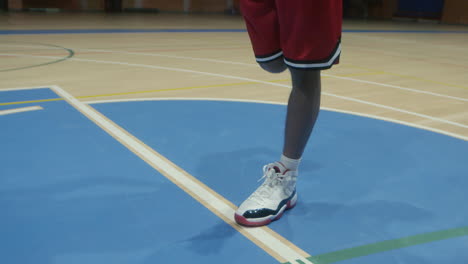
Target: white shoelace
270, 175
272, 179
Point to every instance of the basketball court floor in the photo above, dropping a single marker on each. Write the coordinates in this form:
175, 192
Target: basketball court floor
132, 138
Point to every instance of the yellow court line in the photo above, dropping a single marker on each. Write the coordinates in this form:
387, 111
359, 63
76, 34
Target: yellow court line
409, 77
139, 92
165, 90
361, 74
32, 101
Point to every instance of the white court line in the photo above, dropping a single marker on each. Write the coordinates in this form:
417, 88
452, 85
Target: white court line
398, 87
38, 46
24, 88
20, 110
401, 111
255, 65
184, 180
406, 41
277, 103
259, 81
170, 56
275, 84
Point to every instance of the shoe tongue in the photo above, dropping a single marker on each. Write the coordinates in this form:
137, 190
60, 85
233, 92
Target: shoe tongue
279, 168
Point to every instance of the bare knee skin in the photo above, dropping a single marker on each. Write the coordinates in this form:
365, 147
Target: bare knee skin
306, 80
275, 66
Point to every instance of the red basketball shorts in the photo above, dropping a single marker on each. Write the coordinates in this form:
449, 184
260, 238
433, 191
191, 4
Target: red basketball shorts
306, 32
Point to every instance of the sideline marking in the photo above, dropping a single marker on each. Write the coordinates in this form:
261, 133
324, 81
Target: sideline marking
20, 110
275, 245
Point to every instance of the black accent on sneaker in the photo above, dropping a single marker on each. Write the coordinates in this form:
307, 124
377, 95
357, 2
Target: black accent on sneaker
263, 212
259, 213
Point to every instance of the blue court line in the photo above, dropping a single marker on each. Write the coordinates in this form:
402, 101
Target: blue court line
114, 31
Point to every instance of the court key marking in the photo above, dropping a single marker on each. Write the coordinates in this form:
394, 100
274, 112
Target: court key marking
20, 110
274, 244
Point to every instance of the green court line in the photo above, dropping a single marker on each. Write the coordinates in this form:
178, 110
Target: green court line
387, 245
71, 53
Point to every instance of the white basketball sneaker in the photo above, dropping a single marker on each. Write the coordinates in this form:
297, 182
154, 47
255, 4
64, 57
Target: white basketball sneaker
271, 199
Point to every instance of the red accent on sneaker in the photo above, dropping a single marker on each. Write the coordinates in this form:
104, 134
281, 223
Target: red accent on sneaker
289, 205
278, 170
245, 222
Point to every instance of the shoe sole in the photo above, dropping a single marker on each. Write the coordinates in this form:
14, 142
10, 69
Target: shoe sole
241, 220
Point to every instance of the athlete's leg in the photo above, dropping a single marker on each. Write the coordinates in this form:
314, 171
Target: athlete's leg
302, 111
283, 32
303, 106
310, 33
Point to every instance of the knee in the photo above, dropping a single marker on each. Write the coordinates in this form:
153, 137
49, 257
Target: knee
306, 81
275, 66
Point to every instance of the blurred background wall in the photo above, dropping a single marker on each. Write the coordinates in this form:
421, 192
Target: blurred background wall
445, 11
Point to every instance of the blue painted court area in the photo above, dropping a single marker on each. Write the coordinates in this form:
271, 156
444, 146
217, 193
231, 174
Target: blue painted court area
26, 95
70, 193
362, 180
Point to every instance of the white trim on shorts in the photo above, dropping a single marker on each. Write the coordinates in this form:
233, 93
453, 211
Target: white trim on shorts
270, 58
327, 64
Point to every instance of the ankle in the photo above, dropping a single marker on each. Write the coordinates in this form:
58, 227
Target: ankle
290, 164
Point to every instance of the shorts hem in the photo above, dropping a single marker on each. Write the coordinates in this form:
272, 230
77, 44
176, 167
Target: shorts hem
319, 64
269, 57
